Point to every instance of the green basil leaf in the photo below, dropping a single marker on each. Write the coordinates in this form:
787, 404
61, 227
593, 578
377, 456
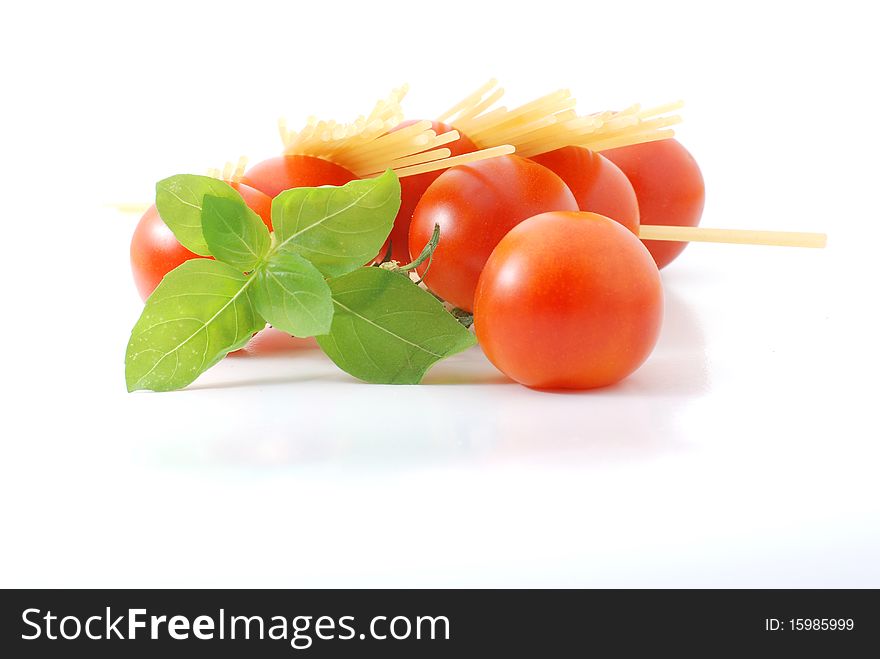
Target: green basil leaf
388, 330
292, 295
179, 202
338, 229
235, 234
200, 311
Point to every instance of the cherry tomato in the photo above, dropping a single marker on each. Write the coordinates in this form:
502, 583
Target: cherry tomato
411, 190
272, 341
475, 206
276, 175
569, 301
155, 251
597, 184
669, 187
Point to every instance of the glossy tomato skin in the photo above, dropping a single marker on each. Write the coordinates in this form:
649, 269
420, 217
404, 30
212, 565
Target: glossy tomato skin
411, 190
669, 187
154, 252
598, 185
257, 201
475, 206
276, 175
569, 301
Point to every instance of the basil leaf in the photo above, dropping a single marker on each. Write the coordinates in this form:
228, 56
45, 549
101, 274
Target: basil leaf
388, 330
235, 234
292, 295
179, 202
337, 229
200, 311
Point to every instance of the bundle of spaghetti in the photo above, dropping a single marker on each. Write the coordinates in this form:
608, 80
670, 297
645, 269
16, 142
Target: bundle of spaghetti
369, 145
231, 173
487, 128
551, 122
473, 104
597, 131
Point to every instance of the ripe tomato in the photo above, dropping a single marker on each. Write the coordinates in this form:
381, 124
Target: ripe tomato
568, 301
272, 341
155, 251
669, 187
475, 206
411, 190
276, 175
597, 184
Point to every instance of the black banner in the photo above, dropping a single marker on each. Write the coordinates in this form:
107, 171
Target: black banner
435, 623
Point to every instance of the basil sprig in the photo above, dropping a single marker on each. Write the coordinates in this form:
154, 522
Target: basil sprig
309, 279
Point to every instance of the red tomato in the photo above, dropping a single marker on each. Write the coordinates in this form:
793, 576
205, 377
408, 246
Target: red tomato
475, 206
272, 341
411, 190
669, 186
276, 175
155, 251
597, 184
569, 301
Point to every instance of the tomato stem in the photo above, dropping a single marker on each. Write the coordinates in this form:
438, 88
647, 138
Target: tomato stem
427, 253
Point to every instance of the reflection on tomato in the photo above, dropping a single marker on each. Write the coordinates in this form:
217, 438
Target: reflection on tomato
569, 301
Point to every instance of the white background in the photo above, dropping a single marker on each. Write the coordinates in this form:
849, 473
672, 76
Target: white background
744, 453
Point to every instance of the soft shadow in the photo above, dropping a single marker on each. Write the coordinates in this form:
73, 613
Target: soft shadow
468, 368
474, 422
679, 365
263, 381
681, 273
